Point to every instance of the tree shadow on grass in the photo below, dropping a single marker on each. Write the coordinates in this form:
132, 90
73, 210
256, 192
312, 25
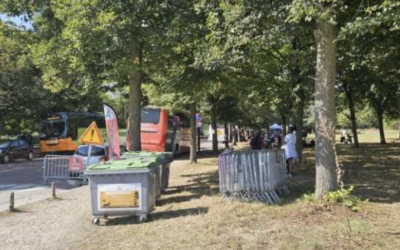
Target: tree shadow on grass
156, 216
204, 184
171, 214
178, 199
205, 154
373, 169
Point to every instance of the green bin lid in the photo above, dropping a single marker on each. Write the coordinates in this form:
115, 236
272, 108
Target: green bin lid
123, 164
167, 156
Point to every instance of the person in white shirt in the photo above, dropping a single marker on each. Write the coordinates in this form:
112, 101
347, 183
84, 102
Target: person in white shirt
290, 150
343, 136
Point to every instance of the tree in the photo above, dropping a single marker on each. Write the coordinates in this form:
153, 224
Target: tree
325, 79
374, 64
101, 42
277, 66
21, 92
325, 152
25, 99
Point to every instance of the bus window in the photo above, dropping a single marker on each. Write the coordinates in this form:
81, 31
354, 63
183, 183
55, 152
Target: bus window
52, 128
59, 131
151, 116
73, 132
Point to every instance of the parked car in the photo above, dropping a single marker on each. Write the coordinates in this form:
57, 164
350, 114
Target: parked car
15, 149
99, 154
79, 160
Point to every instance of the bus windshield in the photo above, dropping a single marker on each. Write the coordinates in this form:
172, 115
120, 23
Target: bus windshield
151, 116
52, 128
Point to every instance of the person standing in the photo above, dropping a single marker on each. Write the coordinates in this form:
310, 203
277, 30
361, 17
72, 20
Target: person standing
290, 151
343, 136
257, 142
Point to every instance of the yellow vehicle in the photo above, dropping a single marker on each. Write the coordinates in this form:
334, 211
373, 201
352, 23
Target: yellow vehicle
59, 132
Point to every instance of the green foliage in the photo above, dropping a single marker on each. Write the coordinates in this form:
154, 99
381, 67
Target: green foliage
311, 10
260, 54
22, 97
366, 118
309, 198
344, 197
392, 124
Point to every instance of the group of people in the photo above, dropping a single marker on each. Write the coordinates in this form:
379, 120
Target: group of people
258, 143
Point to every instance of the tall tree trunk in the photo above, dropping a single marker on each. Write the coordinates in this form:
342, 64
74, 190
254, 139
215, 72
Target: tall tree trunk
198, 140
231, 139
235, 135
325, 151
349, 95
214, 128
135, 100
381, 126
226, 128
284, 123
193, 138
300, 102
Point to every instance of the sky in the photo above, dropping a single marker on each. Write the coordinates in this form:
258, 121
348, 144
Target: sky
17, 20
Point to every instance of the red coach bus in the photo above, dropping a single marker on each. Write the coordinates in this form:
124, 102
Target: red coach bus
161, 132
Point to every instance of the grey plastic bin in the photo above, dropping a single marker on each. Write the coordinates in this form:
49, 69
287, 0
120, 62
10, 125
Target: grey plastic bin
165, 159
122, 188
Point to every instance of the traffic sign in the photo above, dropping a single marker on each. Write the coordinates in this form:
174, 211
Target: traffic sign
92, 135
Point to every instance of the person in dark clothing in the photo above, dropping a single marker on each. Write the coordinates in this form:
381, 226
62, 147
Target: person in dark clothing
257, 142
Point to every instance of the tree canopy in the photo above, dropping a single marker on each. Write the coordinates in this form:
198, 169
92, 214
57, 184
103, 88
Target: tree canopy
245, 63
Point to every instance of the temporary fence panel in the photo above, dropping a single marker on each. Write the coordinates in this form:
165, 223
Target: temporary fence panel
61, 167
253, 175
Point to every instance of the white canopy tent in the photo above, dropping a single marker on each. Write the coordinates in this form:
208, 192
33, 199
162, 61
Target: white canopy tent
276, 126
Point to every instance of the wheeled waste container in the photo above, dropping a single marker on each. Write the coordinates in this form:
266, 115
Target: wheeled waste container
164, 158
122, 188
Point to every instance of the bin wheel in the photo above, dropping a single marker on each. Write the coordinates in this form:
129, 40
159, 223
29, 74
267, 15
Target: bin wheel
96, 221
142, 218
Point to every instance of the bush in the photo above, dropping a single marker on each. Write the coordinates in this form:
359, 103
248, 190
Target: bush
342, 196
345, 197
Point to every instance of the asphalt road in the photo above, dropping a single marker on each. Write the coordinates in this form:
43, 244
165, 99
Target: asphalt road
25, 179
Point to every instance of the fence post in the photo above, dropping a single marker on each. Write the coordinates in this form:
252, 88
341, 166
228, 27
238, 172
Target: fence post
12, 209
53, 190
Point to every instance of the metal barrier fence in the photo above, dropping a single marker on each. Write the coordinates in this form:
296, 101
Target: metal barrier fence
254, 175
58, 167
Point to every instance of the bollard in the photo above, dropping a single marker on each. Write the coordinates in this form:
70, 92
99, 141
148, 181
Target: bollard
12, 209
53, 190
